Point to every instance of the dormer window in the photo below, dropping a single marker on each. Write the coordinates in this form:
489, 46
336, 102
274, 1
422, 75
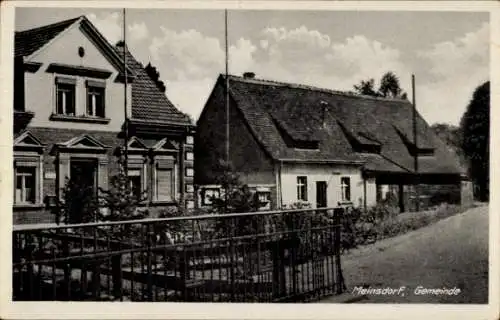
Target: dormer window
65, 104
95, 99
423, 149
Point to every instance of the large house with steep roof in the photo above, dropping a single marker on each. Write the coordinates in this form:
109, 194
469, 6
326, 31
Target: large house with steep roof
69, 115
295, 143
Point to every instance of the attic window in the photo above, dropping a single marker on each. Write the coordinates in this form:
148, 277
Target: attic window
419, 150
305, 145
296, 142
361, 141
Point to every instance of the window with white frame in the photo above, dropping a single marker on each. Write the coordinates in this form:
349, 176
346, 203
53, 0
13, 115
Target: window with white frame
264, 198
65, 96
189, 172
135, 180
189, 140
25, 185
302, 188
96, 99
208, 195
189, 156
345, 187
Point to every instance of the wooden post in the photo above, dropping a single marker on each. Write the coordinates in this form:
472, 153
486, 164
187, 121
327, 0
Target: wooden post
279, 279
339, 281
401, 198
116, 269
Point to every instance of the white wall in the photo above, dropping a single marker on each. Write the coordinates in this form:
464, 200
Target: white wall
332, 175
40, 86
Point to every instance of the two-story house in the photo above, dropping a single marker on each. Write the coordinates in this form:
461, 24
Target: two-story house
72, 95
296, 143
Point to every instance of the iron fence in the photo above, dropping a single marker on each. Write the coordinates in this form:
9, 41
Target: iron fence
275, 256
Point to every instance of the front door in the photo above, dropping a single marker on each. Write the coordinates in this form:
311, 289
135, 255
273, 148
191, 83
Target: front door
83, 181
321, 201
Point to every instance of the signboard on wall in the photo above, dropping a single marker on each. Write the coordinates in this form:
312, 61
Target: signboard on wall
50, 175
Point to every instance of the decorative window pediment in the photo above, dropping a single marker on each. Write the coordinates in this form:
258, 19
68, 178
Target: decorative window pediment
165, 145
27, 141
136, 144
82, 143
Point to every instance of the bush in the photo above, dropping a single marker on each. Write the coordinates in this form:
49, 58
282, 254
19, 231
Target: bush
381, 221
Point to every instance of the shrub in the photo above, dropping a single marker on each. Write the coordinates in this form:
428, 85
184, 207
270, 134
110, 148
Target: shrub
381, 221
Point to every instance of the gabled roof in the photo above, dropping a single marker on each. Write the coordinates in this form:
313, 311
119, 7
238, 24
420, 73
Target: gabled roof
335, 119
29, 41
148, 102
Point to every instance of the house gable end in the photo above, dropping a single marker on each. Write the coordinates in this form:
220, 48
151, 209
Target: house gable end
91, 34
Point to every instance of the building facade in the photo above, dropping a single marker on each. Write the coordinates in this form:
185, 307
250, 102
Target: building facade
293, 144
72, 96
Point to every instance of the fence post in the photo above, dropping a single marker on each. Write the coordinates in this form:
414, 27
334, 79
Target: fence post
30, 248
116, 269
279, 279
232, 252
149, 266
337, 213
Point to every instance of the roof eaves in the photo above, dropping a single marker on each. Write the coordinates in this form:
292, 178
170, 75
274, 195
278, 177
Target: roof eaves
107, 45
330, 161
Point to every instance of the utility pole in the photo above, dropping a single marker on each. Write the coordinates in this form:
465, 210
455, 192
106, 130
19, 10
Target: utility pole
227, 86
125, 127
415, 143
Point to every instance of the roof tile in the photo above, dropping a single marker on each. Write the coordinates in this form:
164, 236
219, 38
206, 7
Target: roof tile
313, 113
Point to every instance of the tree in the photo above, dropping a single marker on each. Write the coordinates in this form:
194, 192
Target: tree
366, 88
389, 87
155, 76
475, 126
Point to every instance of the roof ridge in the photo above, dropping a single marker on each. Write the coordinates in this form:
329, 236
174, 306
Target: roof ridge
311, 87
52, 25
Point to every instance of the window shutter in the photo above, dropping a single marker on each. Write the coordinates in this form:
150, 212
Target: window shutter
164, 184
165, 163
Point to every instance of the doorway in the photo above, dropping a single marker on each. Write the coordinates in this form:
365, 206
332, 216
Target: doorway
83, 188
321, 194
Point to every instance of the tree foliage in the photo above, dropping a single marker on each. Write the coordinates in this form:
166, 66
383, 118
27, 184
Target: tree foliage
452, 136
475, 126
80, 203
366, 87
155, 76
389, 87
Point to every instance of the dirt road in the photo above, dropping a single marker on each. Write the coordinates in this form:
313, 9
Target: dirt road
451, 255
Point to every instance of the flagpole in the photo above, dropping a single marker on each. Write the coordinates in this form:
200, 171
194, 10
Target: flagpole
125, 98
415, 141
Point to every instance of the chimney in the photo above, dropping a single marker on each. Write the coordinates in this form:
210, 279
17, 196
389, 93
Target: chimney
249, 75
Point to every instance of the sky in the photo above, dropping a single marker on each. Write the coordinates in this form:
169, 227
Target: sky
448, 52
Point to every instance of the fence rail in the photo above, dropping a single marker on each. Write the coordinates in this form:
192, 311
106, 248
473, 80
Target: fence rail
291, 255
